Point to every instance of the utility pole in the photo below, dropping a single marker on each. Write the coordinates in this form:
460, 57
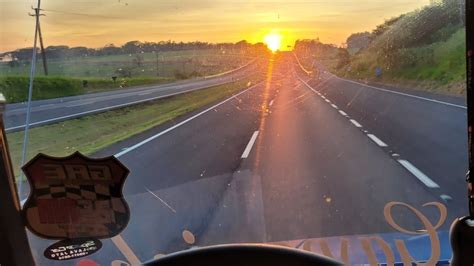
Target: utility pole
43, 53
157, 63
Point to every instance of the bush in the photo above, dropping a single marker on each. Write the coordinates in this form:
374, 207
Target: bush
15, 89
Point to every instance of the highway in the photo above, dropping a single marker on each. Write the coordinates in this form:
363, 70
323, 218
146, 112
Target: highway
49, 111
290, 158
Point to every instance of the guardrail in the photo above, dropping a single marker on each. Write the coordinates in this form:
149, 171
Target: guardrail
231, 71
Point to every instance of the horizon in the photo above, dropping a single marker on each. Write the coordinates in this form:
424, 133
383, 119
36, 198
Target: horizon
94, 25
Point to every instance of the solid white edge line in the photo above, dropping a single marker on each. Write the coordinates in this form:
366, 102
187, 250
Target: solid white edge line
342, 113
418, 174
129, 149
377, 140
250, 145
355, 123
109, 108
404, 94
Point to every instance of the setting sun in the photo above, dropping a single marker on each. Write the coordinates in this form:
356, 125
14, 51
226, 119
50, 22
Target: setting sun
273, 41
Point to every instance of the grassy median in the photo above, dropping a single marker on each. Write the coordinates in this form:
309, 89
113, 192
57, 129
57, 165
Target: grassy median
89, 134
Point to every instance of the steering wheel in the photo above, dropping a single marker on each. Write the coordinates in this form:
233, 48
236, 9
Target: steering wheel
243, 254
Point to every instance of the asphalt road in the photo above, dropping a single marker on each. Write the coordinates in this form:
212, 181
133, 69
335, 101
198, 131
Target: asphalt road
59, 109
287, 159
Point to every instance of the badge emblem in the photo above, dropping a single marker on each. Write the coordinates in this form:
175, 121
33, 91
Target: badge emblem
69, 249
75, 197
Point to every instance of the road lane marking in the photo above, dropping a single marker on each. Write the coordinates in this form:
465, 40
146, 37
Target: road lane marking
418, 174
377, 140
334, 106
355, 123
138, 145
47, 105
250, 145
446, 198
271, 103
324, 82
104, 109
342, 113
145, 93
404, 94
80, 104
328, 101
125, 250
160, 199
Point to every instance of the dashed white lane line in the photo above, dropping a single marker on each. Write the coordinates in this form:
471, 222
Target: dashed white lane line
80, 104
145, 93
250, 145
377, 140
342, 113
446, 198
47, 105
406, 164
271, 103
418, 174
334, 106
355, 123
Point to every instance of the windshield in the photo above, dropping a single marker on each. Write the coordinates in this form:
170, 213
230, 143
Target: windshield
337, 127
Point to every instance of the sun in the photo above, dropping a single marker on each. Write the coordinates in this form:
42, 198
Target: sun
273, 41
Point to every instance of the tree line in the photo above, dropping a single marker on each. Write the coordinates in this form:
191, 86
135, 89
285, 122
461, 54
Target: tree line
136, 47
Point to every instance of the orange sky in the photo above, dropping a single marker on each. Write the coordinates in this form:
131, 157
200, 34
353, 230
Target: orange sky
96, 23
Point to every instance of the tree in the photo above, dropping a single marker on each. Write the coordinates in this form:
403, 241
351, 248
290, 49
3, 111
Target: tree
138, 60
343, 58
358, 41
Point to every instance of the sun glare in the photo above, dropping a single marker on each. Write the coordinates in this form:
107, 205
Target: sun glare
273, 41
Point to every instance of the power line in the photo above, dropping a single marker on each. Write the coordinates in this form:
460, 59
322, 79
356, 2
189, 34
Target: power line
81, 14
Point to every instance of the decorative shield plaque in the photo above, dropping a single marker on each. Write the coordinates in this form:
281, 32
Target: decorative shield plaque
75, 197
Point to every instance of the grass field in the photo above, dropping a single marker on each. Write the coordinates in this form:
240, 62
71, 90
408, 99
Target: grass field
67, 76
164, 64
89, 134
